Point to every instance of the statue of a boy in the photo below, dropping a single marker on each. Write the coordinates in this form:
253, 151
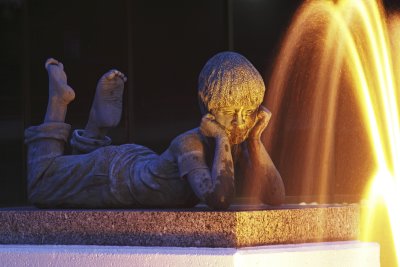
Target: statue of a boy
199, 165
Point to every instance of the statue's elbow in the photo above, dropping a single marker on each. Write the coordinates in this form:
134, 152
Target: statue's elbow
219, 203
275, 199
222, 194
278, 200
219, 200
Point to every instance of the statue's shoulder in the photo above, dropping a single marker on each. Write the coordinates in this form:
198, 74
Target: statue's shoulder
188, 141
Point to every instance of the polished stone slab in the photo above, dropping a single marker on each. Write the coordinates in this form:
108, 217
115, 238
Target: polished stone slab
326, 254
241, 226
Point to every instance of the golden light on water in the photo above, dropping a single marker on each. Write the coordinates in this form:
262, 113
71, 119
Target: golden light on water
348, 45
378, 98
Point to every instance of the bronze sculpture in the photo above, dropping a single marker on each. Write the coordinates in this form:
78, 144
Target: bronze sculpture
199, 165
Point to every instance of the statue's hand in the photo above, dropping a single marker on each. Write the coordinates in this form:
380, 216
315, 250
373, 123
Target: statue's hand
210, 127
263, 117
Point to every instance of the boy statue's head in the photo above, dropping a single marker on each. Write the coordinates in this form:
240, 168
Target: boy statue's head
231, 89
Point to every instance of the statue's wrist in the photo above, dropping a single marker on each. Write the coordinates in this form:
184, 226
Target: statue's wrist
222, 138
254, 138
254, 141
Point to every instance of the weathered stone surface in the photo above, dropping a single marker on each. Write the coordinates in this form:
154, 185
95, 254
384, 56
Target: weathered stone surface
241, 226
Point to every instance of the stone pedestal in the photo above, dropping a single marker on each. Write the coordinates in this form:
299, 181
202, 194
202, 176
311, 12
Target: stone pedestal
316, 235
241, 226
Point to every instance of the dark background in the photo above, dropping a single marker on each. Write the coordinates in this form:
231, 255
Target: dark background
160, 45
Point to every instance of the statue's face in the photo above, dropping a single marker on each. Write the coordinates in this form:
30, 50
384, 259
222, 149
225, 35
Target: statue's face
237, 121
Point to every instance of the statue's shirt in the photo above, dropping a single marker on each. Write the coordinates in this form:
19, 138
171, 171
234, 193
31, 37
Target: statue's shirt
163, 176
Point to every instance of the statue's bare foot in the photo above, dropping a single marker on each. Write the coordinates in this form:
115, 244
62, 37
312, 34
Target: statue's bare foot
107, 105
59, 90
60, 93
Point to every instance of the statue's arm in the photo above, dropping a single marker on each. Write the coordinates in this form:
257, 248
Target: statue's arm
261, 171
215, 186
212, 184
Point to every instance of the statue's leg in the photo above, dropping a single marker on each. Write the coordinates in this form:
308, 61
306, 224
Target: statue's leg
46, 142
53, 132
107, 105
55, 179
60, 93
87, 180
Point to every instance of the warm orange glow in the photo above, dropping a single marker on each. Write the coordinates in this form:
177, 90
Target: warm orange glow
352, 38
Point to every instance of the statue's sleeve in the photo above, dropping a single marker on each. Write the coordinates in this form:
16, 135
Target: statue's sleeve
191, 161
190, 154
82, 144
